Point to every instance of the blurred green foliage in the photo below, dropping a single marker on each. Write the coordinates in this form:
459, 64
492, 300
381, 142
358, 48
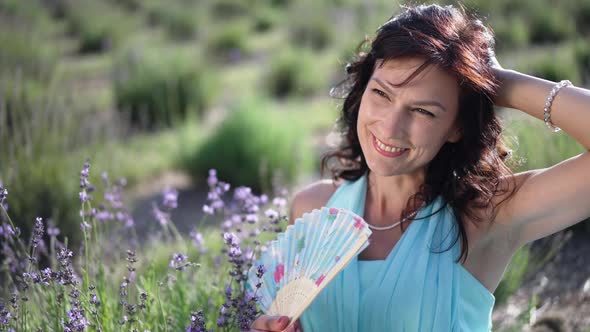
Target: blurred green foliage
34, 137
160, 88
230, 39
253, 147
97, 33
310, 28
294, 72
180, 23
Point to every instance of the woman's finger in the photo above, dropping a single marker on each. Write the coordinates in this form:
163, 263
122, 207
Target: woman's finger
296, 327
270, 323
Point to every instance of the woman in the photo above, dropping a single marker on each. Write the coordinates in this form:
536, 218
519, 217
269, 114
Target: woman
422, 161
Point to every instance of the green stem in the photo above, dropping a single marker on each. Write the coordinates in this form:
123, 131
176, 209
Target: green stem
161, 306
22, 246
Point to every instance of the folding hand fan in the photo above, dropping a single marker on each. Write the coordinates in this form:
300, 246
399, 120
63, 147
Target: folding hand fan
305, 258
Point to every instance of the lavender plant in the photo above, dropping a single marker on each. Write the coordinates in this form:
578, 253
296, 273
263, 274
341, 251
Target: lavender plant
195, 281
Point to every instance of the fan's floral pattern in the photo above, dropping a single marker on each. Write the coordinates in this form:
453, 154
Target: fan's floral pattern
320, 279
279, 272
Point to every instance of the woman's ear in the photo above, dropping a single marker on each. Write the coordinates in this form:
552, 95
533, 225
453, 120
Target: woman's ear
455, 135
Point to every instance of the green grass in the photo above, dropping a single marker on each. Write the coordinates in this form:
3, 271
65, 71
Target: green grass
135, 282
538, 146
255, 146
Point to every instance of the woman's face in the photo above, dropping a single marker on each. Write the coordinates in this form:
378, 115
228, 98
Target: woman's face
402, 129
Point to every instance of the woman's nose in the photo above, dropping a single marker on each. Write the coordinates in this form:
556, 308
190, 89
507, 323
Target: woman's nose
396, 122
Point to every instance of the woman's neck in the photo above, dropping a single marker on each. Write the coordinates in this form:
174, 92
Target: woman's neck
387, 196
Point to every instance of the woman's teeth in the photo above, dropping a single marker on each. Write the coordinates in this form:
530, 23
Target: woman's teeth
388, 148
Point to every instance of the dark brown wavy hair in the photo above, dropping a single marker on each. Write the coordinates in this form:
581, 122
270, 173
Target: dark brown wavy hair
467, 173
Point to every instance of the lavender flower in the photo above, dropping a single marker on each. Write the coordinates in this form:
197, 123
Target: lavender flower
214, 197
279, 201
242, 193
65, 275
226, 225
208, 210
198, 241
37, 232
260, 271
64, 255
197, 322
6, 231
179, 262
252, 218
52, 230
161, 216
125, 218
231, 239
212, 180
84, 197
170, 199
85, 226
102, 214
271, 214
4, 314
113, 196
85, 185
3, 193
94, 299
47, 276
76, 320
248, 311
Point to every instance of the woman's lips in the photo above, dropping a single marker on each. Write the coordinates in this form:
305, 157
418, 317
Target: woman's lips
384, 152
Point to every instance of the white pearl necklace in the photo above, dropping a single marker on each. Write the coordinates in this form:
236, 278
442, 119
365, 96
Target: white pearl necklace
384, 228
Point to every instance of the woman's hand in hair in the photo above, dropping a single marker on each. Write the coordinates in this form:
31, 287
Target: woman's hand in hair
505, 79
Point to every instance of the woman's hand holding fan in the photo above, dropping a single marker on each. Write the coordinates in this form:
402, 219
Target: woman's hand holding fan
305, 258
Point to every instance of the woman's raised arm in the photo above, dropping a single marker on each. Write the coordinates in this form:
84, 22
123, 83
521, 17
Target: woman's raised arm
551, 199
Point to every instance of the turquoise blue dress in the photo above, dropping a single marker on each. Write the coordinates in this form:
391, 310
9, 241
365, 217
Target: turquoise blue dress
413, 289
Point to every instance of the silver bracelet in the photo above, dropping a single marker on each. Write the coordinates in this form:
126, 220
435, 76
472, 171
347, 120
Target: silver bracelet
547, 109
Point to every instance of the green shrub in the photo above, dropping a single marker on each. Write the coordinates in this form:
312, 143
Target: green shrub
24, 54
33, 13
280, 3
33, 145
549, 26
254, 146
295, 73
555, 68
160, 88
17, 99
225, 9
98, 26
511, 33
228, 42
179, 22
581, 12
538, 146
582, 57
265, 18
311, 29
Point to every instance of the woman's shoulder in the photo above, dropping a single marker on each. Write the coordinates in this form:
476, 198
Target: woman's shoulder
312, 196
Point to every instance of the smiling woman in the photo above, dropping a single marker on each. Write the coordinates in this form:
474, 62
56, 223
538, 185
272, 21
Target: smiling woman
422, 149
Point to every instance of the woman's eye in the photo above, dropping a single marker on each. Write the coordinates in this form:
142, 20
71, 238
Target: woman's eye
423, 111
381, 93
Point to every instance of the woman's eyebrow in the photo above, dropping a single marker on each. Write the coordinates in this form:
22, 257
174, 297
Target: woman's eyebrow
422, 102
